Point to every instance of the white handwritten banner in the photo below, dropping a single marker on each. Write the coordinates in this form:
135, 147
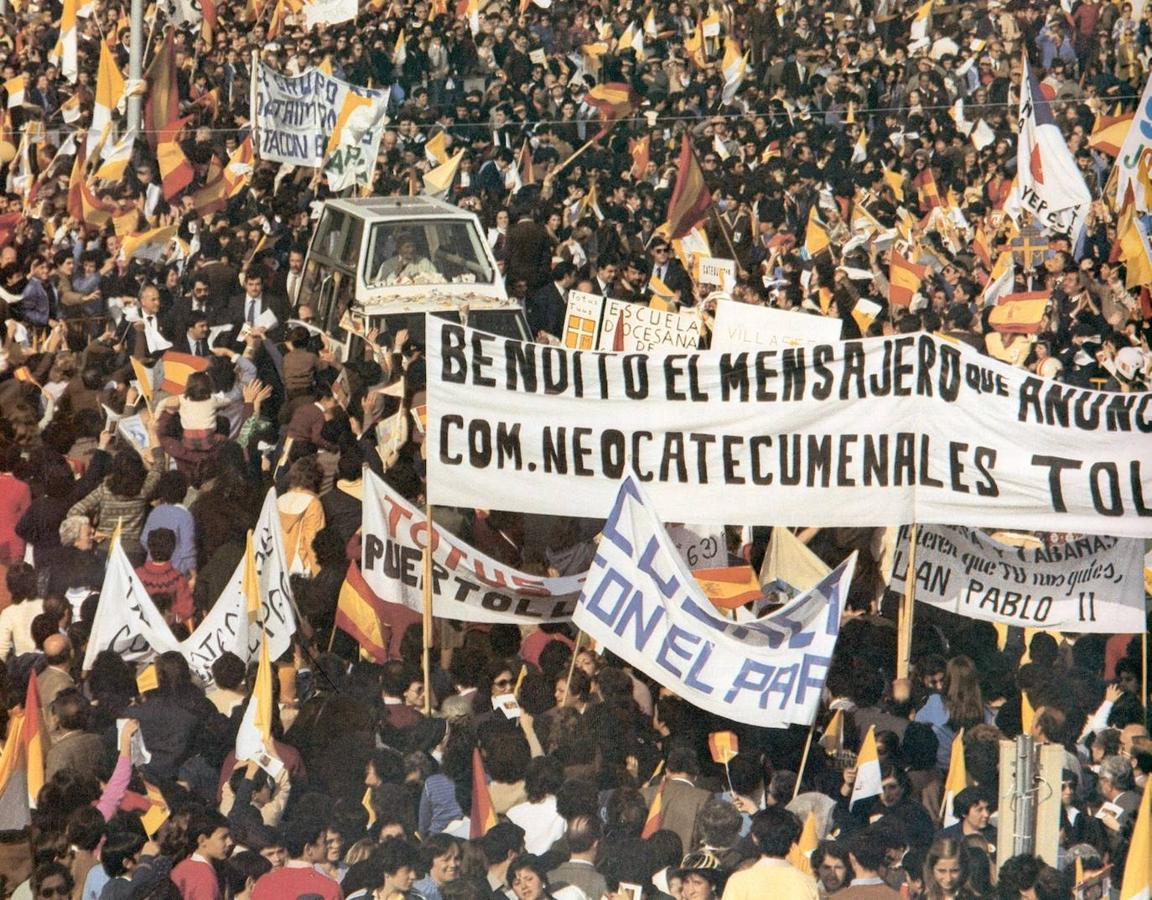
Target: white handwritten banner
296, 117
467, 584
227, 626
648, 329
742, 326
128, 623
884, 431
700, 546
329, 12
641, 603
1089, 584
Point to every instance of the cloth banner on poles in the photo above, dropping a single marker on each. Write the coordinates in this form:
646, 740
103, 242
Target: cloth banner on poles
882, 431
641, 603
467, 585
1089, 584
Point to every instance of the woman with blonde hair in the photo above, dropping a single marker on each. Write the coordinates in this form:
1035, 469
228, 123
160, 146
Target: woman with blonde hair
959, 705
302, 515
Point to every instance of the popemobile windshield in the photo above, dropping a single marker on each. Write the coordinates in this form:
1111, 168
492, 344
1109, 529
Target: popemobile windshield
387, 262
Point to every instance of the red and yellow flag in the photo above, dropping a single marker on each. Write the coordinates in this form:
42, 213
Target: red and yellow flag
176, 171
358, 615
926, 190
723, 745
1020, 313
83, 205
691, 198
640, 151
801, 853
483, 816
33, 738
1109, 134
162, 105
614, 101
177, 368
655, 820
904, 279
729, 587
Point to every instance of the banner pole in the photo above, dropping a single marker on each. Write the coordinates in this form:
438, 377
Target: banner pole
904, 626
804, 758
572, 663
427, 610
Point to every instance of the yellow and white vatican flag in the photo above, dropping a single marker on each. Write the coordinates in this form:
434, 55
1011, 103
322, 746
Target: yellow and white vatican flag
438, 182
734, 67
109, 95
64, 53
867, 770
956, 781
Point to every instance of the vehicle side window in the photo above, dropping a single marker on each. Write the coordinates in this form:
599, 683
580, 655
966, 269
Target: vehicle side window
338, 236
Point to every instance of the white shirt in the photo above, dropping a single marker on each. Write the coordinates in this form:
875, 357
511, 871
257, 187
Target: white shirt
16, 627
542, 825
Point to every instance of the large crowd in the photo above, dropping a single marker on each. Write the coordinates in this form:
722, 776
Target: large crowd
841, 111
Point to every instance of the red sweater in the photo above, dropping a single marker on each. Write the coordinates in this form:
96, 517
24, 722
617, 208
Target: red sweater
196, 880
164, 578
294, 881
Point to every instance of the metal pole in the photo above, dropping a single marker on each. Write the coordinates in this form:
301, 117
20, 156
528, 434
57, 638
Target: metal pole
1024, 835
135, 64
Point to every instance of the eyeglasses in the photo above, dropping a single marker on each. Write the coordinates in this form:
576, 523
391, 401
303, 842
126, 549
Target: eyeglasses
502, 682
54, 891
660, 250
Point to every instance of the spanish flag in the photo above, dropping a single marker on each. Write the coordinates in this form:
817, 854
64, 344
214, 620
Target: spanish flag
358, 615
904, 279
895, 181
730, 587
12, 757
816, 239
148, 244
1020, 313
177, 368
956, 781
723, 745
691, 198
614, 101
1109, 134
926, 190
1137, 884
176, 171
83, 205
162, 105
801, 853
639, 150
982, 246
524, 164
483, 816
655, 820
35, 746
694, 47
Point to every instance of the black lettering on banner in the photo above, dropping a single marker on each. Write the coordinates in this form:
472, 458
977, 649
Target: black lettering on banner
1112, 504
822, 354
926, 478
671, 372
674, 455
556, 370
985, 460
480, 360
956, 467
1056, 466
644, 475
765, 374
927, 361
447, 423
521, 366
950, 373
902, 370
734, 376
731, 463
1141, 508
581, 452
612, 452
876, 460
904, 459
819, 460
636, 376
845, 459
854, 365
454, 362
880, 383
556, 450
702, 440
760, 475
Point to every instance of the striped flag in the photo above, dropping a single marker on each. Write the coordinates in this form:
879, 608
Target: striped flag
483, 816
639, 149
734, 68
176, 172
729, 587
177, 368
724, 746
14, 88
801, 853
162, 104
33, 738
12, 757
816, 239
148, 245
867, 770
926, 190
1001, 280
918, 30
83, 205
832, 740
956, 781
613, 101
255, 735
109, 93
655, 820
64, 54
1020, 313
436, 147
1137, 884
1110, 133
895, 181
904, 279
358, 615
438, 182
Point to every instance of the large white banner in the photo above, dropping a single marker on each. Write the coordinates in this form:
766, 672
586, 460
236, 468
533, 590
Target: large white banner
467, 584
742, 326
228, 626
128, 622
298, 116
1088, 584
641, 603
884, 431
647, 329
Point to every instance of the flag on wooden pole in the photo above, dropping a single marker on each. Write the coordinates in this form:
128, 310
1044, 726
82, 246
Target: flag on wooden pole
483, 815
